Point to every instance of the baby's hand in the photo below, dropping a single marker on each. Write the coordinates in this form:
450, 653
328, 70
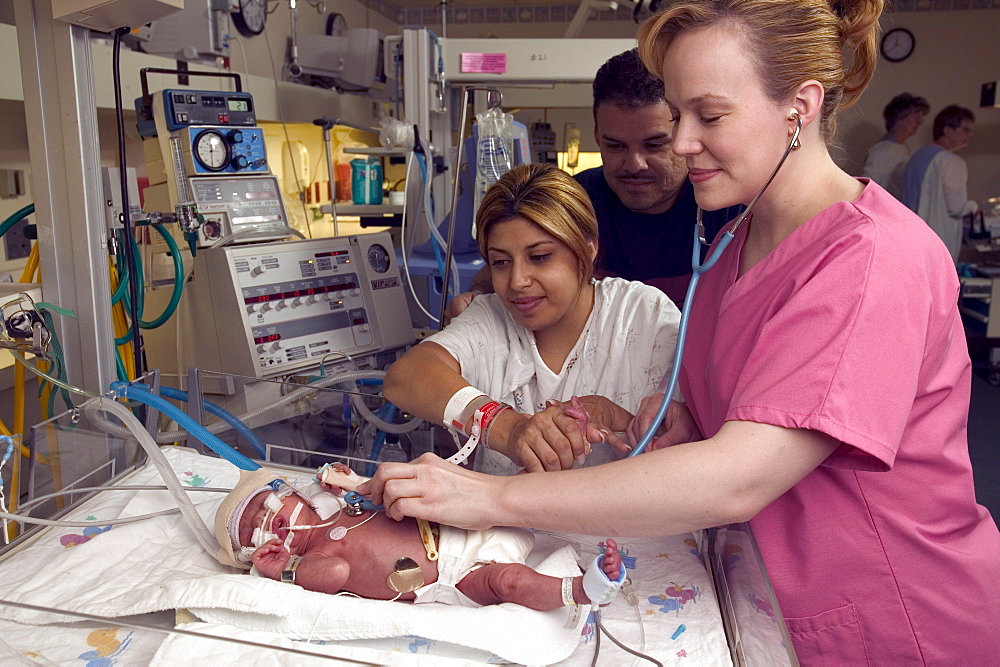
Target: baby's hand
271, 559
337, 478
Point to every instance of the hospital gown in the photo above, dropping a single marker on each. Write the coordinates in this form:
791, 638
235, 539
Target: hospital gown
625, 349
850, 327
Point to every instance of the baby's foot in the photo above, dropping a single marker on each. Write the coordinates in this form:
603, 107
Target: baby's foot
602, 581
612, 561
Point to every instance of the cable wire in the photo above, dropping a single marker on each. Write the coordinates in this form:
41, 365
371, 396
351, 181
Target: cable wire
617, 643
130, 257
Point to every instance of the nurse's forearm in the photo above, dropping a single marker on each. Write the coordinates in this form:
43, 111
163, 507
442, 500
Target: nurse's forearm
726, 479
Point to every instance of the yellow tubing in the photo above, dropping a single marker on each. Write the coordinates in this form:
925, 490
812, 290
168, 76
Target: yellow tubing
120, 327
31, 265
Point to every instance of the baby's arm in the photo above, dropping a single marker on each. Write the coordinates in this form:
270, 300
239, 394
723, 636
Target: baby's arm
315, 572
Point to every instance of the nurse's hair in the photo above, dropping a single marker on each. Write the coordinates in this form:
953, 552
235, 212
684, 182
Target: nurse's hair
548, 197
790, 41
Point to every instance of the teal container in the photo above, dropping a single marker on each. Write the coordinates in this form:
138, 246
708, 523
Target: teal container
366, 181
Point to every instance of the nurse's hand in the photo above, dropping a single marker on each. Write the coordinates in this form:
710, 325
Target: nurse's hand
547, 440
678, 426
433, 489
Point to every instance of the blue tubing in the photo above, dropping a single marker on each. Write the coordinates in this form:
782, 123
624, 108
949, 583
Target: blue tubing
222, 414
675, 371
139, 393
386, 413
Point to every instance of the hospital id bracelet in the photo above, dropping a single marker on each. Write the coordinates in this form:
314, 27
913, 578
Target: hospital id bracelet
481, 420
457, 412
288, 575
567, 592
493, 420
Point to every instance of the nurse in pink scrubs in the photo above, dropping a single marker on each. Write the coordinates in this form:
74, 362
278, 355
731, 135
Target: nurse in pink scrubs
826, 375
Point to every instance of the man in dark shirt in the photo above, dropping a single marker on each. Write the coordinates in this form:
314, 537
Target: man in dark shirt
644, 202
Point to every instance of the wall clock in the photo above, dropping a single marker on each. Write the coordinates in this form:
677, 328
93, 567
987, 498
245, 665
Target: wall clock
249, 16
897, 44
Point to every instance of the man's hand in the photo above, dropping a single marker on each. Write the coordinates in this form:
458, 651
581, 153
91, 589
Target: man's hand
457, 305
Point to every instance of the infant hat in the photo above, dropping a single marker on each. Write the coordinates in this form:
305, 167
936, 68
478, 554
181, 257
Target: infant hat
227, 519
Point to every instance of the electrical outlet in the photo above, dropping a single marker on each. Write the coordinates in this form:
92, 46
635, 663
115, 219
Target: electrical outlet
17, 245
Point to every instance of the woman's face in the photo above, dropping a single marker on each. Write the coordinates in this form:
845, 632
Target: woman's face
536, 276
729, 131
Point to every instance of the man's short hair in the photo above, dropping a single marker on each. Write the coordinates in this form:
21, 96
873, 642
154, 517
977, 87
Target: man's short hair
623, 80
901, 106
951, 116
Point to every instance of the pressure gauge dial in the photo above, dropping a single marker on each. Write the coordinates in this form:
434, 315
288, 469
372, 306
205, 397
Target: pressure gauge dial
212, 150
378, 258
249, 16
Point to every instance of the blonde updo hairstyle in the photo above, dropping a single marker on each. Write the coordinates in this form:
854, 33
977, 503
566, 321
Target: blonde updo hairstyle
548, 197
791, 41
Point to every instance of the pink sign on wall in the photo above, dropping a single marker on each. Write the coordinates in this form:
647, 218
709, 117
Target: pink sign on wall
484, 63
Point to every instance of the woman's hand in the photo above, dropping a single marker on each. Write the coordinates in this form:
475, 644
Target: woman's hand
678, 426
600, 420
271, 559
547, 440
433, 489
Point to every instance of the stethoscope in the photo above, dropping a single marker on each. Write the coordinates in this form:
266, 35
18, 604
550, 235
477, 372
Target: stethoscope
697, 269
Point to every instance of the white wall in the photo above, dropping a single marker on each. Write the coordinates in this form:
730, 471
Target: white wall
956, 52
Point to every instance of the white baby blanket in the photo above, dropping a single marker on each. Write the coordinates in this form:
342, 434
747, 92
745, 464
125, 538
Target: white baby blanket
156, 564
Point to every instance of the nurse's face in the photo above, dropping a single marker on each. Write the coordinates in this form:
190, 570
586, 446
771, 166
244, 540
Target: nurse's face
536, 276
729, 131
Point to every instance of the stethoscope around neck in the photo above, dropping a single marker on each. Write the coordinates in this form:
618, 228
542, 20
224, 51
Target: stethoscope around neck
697, 268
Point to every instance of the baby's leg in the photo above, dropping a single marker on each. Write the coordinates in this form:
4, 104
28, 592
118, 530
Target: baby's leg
512, 582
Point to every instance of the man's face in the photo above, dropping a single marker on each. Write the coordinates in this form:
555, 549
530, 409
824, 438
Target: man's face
639, 164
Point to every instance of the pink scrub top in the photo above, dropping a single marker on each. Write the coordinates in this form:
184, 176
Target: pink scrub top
851, 327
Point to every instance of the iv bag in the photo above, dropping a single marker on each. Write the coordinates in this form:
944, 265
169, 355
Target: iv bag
493, 150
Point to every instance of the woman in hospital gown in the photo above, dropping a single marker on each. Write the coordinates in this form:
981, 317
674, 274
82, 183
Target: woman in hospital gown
549, 332
826, 366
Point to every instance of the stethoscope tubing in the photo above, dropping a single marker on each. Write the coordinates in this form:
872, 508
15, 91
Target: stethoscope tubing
697, 269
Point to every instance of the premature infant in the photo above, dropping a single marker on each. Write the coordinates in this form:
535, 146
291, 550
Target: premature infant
265, 521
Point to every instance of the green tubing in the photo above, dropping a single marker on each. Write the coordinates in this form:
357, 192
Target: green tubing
175, 295
120, 366
15, 218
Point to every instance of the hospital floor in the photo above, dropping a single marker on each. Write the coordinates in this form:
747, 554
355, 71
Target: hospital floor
984, 439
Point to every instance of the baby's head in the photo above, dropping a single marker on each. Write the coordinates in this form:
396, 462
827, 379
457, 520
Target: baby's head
234, 522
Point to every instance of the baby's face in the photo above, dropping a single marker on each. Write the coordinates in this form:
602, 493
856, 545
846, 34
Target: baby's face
255, 512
